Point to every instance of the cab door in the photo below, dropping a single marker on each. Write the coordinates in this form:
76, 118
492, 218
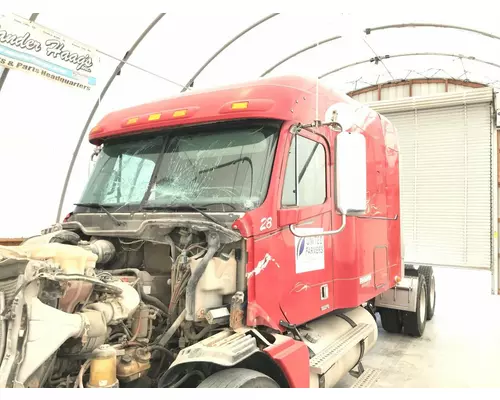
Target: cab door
306, 203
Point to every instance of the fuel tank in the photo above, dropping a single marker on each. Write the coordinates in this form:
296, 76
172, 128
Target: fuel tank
337, 344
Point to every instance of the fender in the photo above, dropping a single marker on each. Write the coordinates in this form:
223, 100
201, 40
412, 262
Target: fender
293, 358
402, 297
282, 358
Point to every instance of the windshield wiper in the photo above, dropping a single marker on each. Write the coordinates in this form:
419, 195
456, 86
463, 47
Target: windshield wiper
180, 207
219, 203
103, 208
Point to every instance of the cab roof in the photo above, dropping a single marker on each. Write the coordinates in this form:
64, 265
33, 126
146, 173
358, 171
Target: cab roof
279, 98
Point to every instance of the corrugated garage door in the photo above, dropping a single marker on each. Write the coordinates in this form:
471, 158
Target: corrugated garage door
446, 176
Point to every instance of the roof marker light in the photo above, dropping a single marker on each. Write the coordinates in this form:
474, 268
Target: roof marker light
154, 117
132, 120
242, 105
179, 113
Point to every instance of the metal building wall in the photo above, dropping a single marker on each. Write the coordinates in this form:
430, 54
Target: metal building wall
411, 88
480, 149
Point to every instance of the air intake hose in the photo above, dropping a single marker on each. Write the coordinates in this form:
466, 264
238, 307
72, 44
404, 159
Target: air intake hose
65, 237
213, 241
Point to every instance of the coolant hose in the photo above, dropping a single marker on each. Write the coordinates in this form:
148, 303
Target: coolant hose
133, 271
213, 242
170, 332
144, 297
152, 300
162, 350
173, 251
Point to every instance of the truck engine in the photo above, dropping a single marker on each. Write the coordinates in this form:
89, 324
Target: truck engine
86, 311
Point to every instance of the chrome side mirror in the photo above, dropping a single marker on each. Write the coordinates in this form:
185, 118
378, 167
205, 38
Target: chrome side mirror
350, 173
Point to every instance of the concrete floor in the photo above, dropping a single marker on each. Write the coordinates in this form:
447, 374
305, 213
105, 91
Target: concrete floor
460, 347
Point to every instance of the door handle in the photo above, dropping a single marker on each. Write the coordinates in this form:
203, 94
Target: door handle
342, 226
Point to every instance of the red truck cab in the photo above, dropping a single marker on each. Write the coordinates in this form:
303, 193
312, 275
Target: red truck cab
309, 276
310, 179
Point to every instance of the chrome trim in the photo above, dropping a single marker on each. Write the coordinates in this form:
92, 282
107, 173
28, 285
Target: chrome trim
327, 233
382, 218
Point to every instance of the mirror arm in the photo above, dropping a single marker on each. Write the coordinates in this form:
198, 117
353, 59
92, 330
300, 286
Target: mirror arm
327, 233
317, 124
96, 152
295, 130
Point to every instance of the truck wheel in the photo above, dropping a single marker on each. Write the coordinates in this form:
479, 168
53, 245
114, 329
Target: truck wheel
238, 378
414, 322
430, 280
392, 321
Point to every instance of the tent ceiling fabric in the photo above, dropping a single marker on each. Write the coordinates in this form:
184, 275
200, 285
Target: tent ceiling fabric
177, 47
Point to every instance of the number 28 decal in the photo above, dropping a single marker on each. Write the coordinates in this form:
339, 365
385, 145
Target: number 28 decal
266, 223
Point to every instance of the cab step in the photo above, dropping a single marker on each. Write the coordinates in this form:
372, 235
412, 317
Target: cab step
367, 379
324, 360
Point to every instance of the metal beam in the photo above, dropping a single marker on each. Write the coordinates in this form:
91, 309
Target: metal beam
239, 35
5, 71
367, 31
425, 25
96, 106
373, 59
303, 50
409, 82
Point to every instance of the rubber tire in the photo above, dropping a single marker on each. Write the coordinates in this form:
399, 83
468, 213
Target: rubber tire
413, 323
428, 273
238, 378
392, 320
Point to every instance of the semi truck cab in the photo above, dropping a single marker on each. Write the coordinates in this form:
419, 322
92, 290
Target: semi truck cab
261, 221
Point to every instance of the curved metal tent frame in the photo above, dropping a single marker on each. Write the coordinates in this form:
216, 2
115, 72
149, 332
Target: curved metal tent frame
214, 56
379, 28
426, 25
303, 50
96, 106
376, 59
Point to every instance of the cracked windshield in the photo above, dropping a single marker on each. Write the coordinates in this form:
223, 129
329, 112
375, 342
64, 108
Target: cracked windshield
201, 167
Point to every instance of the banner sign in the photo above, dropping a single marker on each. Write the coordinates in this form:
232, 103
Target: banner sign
29, 47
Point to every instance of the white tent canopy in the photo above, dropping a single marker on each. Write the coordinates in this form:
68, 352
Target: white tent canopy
41, 121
